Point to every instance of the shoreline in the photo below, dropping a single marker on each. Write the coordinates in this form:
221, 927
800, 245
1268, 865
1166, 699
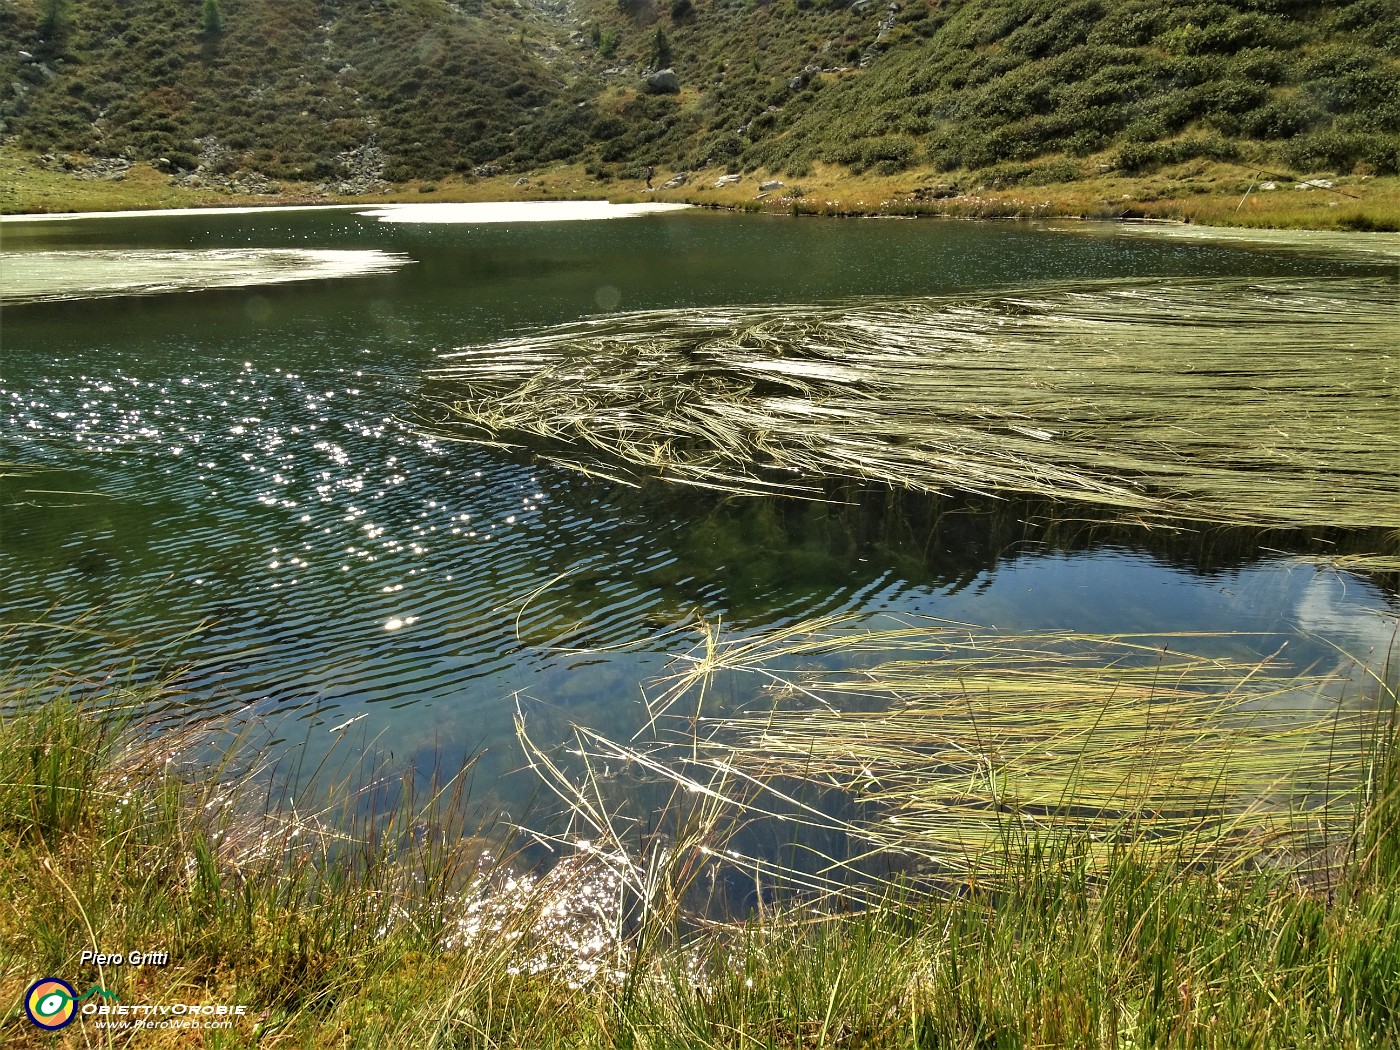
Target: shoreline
1193, 194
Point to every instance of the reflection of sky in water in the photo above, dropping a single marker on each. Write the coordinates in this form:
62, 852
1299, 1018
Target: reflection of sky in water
244, 465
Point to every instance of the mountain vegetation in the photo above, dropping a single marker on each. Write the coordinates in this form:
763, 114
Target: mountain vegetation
391, 90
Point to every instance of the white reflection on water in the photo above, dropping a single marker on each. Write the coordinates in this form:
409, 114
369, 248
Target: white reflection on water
1332, 607
49, 276
515, 211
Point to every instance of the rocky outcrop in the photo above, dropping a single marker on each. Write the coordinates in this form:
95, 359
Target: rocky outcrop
108, 169
251, 183
363, 169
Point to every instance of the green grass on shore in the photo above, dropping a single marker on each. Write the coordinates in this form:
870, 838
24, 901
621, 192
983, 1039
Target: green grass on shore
367, 926
1208, 193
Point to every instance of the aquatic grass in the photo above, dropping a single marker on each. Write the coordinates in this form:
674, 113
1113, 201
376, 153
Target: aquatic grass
953, 743
1242, 402
1168, 913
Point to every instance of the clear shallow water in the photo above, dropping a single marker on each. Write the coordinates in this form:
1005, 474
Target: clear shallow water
239, 492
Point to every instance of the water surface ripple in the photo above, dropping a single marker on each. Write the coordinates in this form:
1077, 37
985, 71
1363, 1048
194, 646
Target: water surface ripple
231, 489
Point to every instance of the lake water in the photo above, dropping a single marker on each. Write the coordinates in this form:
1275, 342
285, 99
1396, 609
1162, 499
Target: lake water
238, 491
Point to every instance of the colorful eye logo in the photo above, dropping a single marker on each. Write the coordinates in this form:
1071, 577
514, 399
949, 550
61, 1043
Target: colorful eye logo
49, 1003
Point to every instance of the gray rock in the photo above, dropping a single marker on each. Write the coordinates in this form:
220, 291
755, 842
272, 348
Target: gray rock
771, 184
522, 181
662, 82
364, 170
677, 180
485, 171
727, 180
25, 56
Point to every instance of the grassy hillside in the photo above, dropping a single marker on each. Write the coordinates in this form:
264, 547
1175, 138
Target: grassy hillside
973, 84
287, 87
1014, 92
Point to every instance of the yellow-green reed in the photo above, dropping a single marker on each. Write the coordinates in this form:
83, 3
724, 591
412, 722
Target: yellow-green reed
954, 742
1260, 402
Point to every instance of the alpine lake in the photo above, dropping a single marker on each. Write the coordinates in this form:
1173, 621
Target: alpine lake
220, 476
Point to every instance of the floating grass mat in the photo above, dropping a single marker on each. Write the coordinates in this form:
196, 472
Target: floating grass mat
1246, 402
956, 744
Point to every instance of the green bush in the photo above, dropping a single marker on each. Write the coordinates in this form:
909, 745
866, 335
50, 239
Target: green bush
1281, 118
1054, 33
1339, 151
1138, 157
887, 154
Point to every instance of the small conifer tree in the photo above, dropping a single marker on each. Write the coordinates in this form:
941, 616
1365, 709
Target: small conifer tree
55, 19
661, 49
213, 20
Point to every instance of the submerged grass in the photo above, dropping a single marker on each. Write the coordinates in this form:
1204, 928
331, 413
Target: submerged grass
1250, 402
371, 921
958, 741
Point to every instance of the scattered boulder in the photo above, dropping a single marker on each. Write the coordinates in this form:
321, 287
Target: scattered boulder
214, 170
1315, 184
771, 184
248, 183
107, 169
522, 181
727, 180
676, 181
485, 171
662, 82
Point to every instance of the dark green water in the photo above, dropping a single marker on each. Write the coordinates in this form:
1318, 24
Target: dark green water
239, 494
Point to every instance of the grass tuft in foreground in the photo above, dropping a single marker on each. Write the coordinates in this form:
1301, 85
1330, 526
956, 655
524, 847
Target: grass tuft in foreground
374, 922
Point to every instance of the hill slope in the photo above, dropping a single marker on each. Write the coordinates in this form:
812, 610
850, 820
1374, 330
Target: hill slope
287, 87
392, 89
975, 83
